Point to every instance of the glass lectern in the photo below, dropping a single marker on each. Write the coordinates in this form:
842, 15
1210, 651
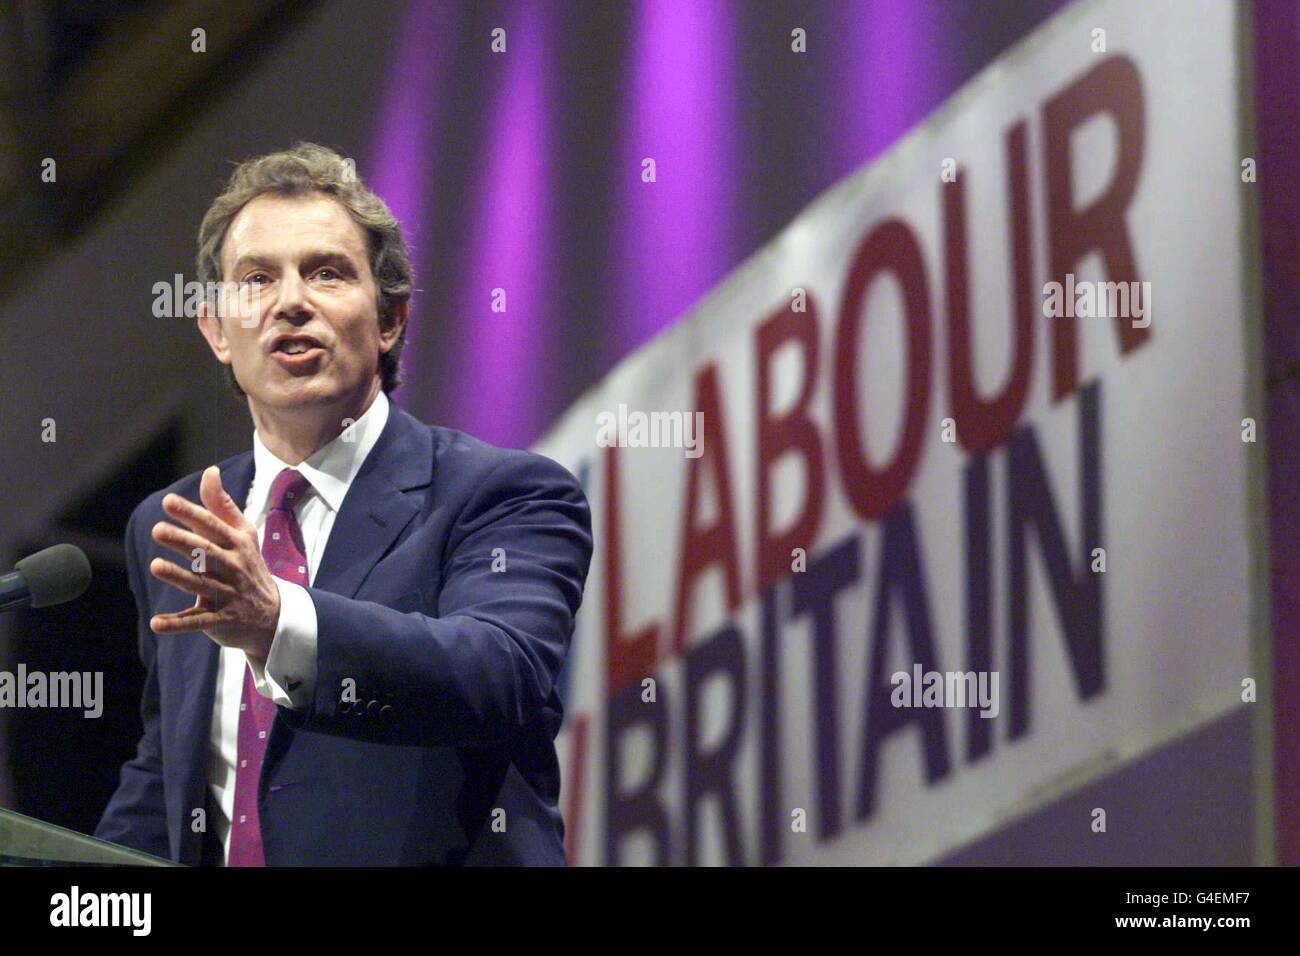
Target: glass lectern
25, 841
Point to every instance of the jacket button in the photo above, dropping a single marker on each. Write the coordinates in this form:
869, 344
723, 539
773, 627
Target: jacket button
386, 712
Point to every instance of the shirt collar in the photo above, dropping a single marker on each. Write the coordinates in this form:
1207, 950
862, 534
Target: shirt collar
330, 469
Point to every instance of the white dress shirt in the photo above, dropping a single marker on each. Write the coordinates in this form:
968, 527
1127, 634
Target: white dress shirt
292, 658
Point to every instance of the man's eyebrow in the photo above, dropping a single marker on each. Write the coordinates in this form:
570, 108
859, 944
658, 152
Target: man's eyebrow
250, 259
313, 258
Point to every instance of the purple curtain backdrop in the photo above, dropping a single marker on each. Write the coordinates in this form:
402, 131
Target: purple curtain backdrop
524, 171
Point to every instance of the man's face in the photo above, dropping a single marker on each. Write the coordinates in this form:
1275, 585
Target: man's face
302, 267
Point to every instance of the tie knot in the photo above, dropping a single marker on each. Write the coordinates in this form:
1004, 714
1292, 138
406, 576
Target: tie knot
287, 489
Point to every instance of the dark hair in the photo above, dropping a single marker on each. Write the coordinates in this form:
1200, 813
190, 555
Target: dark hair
304, 169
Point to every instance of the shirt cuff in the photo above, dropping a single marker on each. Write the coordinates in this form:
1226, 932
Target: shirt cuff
289, 677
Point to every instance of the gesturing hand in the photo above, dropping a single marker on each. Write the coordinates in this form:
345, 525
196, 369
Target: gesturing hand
237, 602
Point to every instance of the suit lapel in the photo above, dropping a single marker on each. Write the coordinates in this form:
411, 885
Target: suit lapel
376, 508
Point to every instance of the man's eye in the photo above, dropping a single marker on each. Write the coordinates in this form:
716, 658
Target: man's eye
332, 273
255, 275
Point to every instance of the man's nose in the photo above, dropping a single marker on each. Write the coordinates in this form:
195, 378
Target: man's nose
291, 298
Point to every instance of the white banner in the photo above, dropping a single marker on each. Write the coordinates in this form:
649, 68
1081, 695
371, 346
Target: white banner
966, 525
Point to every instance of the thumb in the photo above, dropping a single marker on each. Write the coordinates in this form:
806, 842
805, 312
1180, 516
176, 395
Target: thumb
216, 500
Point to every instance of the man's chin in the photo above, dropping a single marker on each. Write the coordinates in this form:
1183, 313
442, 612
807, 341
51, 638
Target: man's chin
295, 393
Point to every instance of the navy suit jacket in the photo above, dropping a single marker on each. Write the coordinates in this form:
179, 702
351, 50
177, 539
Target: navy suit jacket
448, 755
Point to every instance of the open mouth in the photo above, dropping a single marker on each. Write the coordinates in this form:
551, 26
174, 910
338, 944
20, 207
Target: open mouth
295, 355
294, 352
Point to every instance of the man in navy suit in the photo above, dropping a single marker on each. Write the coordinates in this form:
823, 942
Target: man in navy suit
389, 695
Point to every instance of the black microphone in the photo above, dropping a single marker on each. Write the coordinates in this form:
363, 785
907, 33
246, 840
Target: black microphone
52, 576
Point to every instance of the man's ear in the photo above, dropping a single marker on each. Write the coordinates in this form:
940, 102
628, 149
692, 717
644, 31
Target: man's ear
389, 335
210, 327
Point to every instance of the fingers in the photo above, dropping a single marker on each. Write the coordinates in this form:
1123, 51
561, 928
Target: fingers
204, 585
191, 619
200, 519
220, 531
216, 560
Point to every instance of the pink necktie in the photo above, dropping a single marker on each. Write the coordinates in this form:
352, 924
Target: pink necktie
285, 555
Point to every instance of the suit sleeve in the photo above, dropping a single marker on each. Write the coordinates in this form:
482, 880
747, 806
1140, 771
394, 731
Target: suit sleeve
486, 664
136, 815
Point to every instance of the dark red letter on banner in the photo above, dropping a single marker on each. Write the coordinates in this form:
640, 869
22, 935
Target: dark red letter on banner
1113, 87
890, 247
794, 432
627, 658
983, 425
716, 543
